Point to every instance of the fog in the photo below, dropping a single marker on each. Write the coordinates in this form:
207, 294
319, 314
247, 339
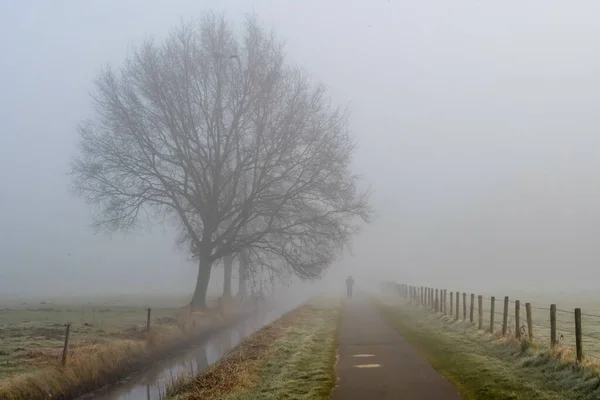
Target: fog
476, 123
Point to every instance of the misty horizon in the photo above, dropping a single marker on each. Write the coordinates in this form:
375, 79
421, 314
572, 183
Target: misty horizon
475, 129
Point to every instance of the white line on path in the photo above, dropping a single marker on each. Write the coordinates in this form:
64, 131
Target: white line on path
368, 366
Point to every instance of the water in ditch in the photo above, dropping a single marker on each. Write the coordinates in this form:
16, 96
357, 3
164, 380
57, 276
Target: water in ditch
150, 383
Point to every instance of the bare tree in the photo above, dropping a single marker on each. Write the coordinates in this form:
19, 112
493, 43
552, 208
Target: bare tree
214, 132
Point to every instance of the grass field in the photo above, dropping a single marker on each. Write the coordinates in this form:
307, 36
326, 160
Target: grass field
485, 366
32, 333
292, 358
108, 339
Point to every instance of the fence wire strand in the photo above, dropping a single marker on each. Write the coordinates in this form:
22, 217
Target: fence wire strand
540, 319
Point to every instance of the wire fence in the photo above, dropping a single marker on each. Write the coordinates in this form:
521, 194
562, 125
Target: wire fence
548, 326
37, 335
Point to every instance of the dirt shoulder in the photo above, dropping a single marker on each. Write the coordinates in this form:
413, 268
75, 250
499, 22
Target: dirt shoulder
293, 357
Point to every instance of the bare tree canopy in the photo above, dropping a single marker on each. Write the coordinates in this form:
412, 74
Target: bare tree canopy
214, 132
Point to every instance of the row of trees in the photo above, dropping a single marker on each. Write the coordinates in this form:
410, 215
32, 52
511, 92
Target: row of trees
213, 132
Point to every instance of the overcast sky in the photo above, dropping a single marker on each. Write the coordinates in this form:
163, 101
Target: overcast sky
477, 124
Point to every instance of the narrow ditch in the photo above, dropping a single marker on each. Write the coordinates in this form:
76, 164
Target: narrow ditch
151, 381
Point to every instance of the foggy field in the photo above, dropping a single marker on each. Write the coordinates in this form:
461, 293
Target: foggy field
32, 333
229, 150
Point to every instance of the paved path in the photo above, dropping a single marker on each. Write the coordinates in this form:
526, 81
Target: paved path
375, 362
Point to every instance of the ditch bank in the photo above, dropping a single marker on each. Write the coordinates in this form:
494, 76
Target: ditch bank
292, 357
152, 381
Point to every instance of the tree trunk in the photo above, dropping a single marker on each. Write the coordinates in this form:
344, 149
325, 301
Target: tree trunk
227, 269
243, 275
199, 299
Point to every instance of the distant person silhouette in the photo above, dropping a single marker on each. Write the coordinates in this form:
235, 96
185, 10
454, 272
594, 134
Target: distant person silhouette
349, 284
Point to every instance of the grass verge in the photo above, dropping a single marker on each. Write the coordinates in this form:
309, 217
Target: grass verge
97, 364
483, 366
292, 358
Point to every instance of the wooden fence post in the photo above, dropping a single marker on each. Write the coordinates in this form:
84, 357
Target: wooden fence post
552, 325
464, 306
148, 321
66, 345
529, 321
457, 305
445, 303
578, 335
437, 300
472, 307
492, 312
480, 311
431, 298
518, 319
505, 316
451, 303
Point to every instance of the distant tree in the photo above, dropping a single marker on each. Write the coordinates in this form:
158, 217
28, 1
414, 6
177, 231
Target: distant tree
213, 132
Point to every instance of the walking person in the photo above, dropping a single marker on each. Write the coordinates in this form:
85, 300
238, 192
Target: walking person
349, 284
